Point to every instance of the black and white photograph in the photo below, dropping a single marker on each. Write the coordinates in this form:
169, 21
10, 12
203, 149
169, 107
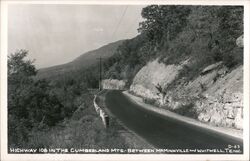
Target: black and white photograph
125, 79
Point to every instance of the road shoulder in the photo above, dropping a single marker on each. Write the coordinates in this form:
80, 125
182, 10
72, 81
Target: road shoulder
133, 140
138, 100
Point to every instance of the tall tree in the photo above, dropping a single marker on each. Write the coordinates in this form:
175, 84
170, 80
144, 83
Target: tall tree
163, 21
30, 102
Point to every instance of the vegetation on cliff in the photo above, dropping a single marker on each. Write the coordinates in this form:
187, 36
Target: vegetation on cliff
202, 34
185, 59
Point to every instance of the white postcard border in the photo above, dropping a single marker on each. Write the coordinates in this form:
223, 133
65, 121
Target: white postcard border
121, 157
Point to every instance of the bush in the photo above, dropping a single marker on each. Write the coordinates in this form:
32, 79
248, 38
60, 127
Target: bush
149, 101
187, 110
233, 58
33, 102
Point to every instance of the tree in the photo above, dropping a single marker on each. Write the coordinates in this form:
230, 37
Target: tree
163, 21
230, 28
30, 102
19, 78
18, 66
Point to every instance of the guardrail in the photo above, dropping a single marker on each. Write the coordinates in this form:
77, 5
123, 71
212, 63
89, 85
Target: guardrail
104, 116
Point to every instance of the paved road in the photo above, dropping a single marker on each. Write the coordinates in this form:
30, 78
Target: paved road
164, 132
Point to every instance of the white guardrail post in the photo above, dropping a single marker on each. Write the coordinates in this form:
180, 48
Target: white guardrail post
101, 113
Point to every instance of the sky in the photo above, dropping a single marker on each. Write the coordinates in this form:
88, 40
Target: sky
57, 34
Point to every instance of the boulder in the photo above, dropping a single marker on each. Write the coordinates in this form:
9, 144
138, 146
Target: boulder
239, 119
210, 68
204, 117
230, 110
240, 41
216, 119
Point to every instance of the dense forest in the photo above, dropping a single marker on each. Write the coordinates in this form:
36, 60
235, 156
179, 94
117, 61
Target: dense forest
203, 34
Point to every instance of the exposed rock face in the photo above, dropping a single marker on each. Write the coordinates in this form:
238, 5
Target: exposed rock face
216, 95
227, 94
210, 68
220, 112
154, 73
113, 84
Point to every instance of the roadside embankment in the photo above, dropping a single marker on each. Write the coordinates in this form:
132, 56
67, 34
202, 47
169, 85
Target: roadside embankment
132, 139
214, 95
228, 131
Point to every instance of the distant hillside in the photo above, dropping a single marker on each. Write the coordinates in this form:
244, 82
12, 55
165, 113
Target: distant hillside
84, 61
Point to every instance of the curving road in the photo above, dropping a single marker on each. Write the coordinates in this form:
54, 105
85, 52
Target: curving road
164, 132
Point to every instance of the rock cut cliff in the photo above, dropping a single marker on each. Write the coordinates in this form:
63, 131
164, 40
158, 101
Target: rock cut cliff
215, 96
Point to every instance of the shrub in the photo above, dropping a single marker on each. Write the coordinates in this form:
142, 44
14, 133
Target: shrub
233, 58
149, 101
187, 110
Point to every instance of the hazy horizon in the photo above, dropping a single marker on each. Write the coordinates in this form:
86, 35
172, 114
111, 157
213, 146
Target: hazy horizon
57, 34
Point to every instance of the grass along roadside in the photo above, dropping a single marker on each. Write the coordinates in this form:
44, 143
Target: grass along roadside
84, 130
133, 140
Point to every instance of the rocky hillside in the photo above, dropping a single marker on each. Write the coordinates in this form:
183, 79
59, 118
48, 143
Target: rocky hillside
215, 96
187, 59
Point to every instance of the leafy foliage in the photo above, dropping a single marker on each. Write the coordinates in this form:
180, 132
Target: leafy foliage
163, 22
44, 113
36, 103
18, 66
202, 34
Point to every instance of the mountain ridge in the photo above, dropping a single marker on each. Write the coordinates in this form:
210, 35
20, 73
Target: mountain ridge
83, 61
